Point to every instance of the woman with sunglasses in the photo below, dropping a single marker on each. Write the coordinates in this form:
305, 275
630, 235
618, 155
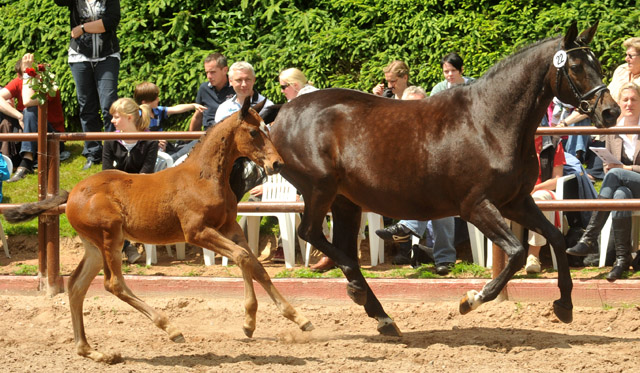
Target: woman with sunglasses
293, 83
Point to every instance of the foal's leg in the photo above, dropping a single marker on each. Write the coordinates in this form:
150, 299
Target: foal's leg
78, 284
346, 222
114, 283
487, 218
251, 269
529, 216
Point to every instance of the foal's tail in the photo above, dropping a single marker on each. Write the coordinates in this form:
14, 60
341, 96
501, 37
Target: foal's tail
29, 211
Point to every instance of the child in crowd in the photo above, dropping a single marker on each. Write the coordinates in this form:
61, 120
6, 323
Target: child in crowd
132, 156
149, 94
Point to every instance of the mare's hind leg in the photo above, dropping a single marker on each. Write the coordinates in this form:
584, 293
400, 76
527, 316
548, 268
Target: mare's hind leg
78, 284
487, 218
230, 242
346, 222
115, 284
529, 216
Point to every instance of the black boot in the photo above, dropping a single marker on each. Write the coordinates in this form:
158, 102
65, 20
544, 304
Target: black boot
588, 243
622, 239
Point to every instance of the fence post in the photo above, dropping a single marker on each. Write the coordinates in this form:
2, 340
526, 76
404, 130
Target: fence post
55, 282
42, 194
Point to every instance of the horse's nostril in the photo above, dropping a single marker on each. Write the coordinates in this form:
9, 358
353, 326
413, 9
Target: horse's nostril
610, 115
277, 166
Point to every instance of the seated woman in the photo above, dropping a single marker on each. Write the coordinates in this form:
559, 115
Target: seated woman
622, 180
132, 156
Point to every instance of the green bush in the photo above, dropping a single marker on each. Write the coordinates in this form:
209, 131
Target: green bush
337, 43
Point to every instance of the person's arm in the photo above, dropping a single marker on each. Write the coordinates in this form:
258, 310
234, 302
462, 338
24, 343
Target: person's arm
150, 156
93, 27
6, 107
109, 21
107, 155
552, 182
574, 117
196, 121
184, 108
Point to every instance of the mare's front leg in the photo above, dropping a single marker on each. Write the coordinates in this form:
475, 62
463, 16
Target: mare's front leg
346, 224
230, 242
488, 220
529, 216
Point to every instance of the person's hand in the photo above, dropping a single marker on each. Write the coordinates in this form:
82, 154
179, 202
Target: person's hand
21, 123
379, 89
256, 191
76, 32
162, 144
607, 166
27, 61
199, 108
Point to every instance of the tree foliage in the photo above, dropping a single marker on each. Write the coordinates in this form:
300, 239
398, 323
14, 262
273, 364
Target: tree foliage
337, 43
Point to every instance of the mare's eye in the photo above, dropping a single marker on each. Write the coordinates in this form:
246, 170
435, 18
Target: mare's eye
577, 68
254, 133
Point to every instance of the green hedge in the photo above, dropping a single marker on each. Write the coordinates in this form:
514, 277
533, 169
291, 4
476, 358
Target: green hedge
338, 43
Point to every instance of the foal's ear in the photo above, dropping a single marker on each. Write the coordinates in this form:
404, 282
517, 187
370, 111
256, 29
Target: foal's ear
587, 35
245, 108
570, 37
258, 107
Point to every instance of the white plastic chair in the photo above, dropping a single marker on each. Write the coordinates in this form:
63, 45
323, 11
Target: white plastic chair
476, 237
275, 189
4, 238
163, 161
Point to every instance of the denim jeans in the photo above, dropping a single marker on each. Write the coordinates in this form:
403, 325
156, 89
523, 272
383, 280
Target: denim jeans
30, 120
96, 89
620, 184
444, 250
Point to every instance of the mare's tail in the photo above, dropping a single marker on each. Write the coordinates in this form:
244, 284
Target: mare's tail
29, 211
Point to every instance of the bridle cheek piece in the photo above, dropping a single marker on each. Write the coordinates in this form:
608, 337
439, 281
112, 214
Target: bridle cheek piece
584, 107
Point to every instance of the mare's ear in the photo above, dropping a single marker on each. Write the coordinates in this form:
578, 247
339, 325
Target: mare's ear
245, 108
587, 35
258, 107
570, 37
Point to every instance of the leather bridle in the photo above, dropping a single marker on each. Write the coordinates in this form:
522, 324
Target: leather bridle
584, 107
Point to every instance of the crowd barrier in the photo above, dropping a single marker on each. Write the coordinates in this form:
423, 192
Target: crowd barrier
48, 185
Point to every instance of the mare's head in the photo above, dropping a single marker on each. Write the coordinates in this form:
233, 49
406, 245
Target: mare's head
576, 78
252, 140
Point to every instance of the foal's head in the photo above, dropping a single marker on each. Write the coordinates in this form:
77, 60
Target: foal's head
577, 78
252, 139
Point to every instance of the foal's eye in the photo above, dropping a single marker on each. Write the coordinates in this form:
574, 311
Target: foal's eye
254, 133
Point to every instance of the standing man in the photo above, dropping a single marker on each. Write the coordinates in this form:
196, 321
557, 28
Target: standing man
211, 94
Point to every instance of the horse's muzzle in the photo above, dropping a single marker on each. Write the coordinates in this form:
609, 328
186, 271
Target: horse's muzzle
274, 168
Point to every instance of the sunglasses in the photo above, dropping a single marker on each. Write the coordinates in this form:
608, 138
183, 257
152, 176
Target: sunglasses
631, 56
283, 87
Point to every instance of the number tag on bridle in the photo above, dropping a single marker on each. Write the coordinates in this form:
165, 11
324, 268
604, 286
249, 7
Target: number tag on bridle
559, 59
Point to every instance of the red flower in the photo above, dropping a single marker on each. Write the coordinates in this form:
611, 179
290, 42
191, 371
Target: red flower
40, 67
30, 71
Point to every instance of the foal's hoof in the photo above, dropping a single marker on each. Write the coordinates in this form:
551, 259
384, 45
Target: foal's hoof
563, 313
248, 332
307, 327
357, 294
178, 338
468, 303
390, 329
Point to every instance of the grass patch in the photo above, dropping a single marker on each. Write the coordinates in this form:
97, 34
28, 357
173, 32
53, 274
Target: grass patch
464, 268
607, 307
26, 270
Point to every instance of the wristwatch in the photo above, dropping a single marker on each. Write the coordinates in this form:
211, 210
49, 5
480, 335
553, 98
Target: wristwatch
82, 27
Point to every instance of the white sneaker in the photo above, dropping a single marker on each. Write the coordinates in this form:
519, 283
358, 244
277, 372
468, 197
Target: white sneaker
132, 254
533, 264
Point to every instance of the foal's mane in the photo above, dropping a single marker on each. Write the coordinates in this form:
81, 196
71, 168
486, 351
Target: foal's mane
514, 59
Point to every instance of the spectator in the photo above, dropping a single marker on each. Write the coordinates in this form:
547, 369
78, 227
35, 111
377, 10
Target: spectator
294, 83
94, 58
132, 156
444, 229
242, 78
396, 75
211, 94
149, 94
622, 180
26, 112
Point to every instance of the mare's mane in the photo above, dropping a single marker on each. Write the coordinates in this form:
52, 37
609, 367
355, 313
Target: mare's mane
513, 59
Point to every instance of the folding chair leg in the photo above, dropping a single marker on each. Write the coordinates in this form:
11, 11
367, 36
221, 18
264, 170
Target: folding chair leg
376, 244
209, 257
180, 250
150, 253
476, 239
4, 242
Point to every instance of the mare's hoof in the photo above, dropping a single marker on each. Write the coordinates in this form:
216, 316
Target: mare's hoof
178, 338
307, 327
563, 313
468, 302
248, 332
105, 358
357, 294
389, 329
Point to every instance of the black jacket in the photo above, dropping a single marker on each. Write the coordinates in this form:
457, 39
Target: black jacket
94, 45
141, 159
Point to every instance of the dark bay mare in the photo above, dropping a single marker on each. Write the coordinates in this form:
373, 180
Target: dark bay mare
467, 151
192, 202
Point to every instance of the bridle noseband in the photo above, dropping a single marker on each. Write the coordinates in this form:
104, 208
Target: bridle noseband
584, 107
